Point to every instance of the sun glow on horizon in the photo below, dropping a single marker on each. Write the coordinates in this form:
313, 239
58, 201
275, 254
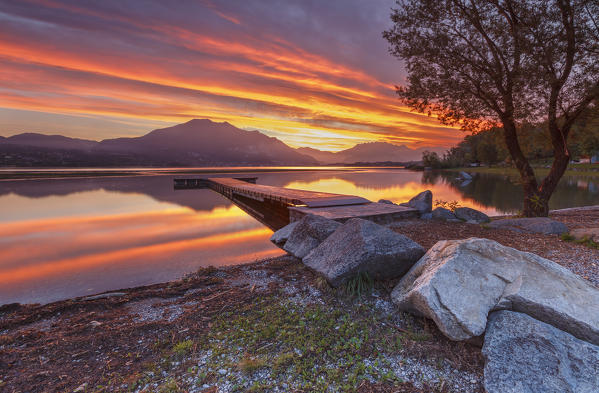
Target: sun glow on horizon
111, 65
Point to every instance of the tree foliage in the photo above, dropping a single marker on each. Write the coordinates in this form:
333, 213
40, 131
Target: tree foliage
502, 63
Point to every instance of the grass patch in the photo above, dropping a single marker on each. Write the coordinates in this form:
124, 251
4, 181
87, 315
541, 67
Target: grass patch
182, 348
585, 241
249, 364
359, 285
312, 347
170, 386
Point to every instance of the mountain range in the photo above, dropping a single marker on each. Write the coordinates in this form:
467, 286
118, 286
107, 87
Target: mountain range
199, 142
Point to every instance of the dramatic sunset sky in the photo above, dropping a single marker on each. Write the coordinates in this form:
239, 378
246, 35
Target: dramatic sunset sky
312, 73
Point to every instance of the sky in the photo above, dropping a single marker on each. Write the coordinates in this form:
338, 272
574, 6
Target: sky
309, 72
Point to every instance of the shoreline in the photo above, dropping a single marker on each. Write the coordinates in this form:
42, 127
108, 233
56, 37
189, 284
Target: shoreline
209, 330
587, 170
7, 174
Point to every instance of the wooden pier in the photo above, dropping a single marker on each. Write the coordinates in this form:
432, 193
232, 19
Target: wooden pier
278, 206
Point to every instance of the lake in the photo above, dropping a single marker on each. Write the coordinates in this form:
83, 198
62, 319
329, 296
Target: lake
62, 238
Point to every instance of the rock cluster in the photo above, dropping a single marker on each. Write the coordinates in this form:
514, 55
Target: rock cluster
341, 251
422, 202
465, 176
539, 322
440, 213
361, 246
458, 282
307, 234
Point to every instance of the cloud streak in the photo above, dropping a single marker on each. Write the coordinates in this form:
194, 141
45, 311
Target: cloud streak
312, 74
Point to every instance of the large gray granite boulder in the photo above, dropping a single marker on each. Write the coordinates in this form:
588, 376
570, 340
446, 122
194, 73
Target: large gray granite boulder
309, 232
279, 238
544, 225
422, 202
361, 246
471, 215
458, 282
440, 213
523, 355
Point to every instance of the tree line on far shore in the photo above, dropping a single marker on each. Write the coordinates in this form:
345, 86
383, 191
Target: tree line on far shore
488, 147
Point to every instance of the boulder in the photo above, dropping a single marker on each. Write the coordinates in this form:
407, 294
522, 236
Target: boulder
458, 282
441, 213
465, 176
388, 202
542, 225
309, 232
427, 216
422, 202
279, 238
523, 355
471, 215
361, 246
586, 233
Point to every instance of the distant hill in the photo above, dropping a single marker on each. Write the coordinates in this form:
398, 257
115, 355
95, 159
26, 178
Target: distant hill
324, 157
49, 141
369, 152
195, 143
203, 142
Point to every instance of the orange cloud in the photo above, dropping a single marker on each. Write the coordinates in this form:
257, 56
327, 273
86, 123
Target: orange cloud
260, 81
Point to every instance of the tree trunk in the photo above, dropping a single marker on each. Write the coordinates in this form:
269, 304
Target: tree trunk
536, 198
534, 204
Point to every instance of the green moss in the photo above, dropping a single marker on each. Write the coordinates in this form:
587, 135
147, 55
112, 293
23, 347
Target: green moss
182, 348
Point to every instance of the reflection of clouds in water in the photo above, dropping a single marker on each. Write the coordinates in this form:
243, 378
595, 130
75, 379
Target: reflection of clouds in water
116, 251
71, 237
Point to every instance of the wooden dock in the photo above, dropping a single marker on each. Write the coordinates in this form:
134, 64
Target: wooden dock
278, 206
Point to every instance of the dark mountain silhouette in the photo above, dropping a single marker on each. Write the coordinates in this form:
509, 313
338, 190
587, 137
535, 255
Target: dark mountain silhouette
195, 143
49, 141
203, 142
369, 152
319, 155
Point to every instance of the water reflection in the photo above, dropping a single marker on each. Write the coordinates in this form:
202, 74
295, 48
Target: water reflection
72, 237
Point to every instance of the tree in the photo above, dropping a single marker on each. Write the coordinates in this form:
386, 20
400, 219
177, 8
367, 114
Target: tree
484, 63
431, 159
590, 145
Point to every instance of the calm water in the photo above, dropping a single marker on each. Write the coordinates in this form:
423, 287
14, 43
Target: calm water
73, 237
